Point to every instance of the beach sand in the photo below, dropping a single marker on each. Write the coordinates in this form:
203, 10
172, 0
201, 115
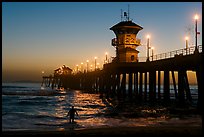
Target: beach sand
122, 131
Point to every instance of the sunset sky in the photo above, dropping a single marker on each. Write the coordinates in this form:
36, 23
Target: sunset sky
42, 36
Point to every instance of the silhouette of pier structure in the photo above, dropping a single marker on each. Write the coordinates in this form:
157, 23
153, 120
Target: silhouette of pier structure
144, 79
127, 76
59, 80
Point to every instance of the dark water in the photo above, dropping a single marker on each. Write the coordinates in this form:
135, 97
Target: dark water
28, 106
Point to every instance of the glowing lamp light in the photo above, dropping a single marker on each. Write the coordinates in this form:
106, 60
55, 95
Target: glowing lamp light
148, 36
196, 33
196, 17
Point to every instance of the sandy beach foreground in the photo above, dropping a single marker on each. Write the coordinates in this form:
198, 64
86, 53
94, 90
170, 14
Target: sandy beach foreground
122, 131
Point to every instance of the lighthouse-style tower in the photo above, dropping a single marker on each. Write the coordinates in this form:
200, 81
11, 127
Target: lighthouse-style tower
126, 41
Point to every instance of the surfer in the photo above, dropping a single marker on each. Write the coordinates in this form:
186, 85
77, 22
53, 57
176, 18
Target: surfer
71, 114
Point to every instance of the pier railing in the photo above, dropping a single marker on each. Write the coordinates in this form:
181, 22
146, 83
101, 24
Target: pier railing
171, 54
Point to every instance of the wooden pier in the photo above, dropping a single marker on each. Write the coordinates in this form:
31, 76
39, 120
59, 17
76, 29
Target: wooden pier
127, 76
143, 78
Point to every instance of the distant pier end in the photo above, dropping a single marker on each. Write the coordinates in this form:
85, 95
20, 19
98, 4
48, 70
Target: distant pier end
60, 78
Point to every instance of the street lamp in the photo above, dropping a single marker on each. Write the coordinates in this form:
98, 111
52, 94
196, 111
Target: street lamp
82, 66
148, 36
106, 57
87, 61
186, 38
95, 62
77, 68
152, 52
196, 19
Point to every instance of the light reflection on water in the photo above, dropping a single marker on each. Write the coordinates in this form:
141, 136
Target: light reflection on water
60, 106
92, 114
49, 112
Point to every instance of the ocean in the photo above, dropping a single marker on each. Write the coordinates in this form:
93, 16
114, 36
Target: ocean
28, 106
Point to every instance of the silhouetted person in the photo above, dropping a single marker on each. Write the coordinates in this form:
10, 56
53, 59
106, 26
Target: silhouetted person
71, 114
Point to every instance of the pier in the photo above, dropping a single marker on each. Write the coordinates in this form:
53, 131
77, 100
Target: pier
143, 78
128, 76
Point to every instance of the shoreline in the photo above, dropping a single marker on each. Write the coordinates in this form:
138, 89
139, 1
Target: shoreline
104, 131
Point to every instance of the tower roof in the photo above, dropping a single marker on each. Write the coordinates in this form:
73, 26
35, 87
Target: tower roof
126, 24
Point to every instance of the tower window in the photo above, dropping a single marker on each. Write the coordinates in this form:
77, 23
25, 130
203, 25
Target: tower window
132, 58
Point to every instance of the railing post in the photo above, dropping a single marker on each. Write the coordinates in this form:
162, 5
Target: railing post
186, 51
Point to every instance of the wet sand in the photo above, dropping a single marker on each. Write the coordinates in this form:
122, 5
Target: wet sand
122, 131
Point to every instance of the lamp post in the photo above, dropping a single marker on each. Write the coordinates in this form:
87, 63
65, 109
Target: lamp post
87, 67
148, 47
43, 79
186, 38
106, 61
77, 68
152, 52
82, 67
95, 62
196, 48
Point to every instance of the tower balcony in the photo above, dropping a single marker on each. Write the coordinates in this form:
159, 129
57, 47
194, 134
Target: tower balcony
138, 42
114, 42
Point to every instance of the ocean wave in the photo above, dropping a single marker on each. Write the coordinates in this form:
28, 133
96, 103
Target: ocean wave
13, 87
31, 93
